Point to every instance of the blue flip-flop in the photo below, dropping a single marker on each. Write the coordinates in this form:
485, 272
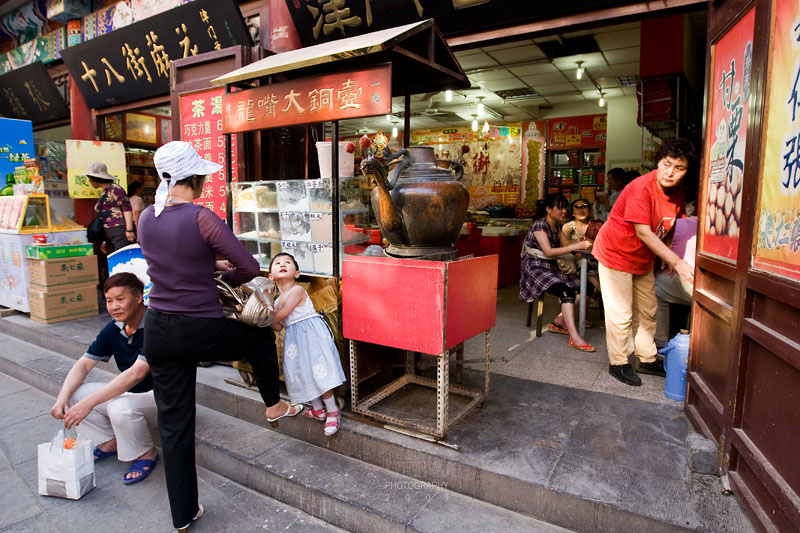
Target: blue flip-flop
140, 465
99, 454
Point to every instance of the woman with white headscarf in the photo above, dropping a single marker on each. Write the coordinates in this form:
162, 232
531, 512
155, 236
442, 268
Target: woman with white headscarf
185, 324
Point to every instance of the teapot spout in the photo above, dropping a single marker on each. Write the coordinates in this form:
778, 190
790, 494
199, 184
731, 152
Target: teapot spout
389, 218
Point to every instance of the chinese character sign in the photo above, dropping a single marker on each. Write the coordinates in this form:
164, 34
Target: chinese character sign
583, 131
730, 91
777, 231
133, 62
80, 154
15, 147
28, 93
201, 126
363, 93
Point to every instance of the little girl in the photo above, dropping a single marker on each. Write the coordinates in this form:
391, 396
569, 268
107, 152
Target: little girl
311, 363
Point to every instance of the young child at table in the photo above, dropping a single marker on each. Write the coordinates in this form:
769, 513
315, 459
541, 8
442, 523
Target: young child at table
311, 363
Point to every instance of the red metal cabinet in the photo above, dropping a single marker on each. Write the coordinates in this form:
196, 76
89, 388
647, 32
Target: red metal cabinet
423, 306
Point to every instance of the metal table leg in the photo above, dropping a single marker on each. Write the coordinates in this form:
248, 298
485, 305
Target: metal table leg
582, 306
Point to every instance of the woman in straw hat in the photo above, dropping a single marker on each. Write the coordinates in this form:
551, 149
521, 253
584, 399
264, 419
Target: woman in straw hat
113, 207
185, 325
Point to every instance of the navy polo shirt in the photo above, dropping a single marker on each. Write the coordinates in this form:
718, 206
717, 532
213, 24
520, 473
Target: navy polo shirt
112, 341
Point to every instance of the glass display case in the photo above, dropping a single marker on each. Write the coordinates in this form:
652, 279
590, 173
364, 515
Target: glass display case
576, 173
296, 216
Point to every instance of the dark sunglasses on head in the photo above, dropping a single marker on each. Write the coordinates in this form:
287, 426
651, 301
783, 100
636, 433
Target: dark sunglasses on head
581, 206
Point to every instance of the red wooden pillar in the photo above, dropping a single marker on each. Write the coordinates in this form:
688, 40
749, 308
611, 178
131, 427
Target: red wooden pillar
83, 128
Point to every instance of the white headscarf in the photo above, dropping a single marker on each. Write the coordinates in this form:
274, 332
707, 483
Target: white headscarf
175, 161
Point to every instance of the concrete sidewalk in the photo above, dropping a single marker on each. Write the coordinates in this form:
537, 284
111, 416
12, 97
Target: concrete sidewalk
112, 506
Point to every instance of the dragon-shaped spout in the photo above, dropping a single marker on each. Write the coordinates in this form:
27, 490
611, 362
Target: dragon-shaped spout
389, 218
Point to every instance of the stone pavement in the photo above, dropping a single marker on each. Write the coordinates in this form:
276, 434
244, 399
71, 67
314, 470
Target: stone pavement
25, 422
590, 454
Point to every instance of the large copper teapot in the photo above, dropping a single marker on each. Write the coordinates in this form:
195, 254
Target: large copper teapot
420, 206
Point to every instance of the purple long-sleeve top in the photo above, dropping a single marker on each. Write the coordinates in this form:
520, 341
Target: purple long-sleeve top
181, 246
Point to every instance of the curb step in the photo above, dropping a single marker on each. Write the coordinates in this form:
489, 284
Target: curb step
405, 455
341, 490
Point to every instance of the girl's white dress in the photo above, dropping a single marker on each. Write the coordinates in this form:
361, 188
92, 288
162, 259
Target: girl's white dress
311, 362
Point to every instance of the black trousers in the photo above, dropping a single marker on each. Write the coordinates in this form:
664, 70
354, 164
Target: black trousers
173, 345
115, 239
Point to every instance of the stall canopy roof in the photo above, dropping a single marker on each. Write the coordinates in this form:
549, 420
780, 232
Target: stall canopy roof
421, 60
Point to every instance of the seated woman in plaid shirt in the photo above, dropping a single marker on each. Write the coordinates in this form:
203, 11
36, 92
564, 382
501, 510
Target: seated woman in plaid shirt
540, 273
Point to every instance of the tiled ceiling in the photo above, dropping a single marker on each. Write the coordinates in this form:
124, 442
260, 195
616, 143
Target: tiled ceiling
607, 53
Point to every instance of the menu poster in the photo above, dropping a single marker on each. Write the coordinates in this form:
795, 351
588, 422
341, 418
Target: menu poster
201, 126
533, 142
778, 225
725, 145
81, 154
583, 131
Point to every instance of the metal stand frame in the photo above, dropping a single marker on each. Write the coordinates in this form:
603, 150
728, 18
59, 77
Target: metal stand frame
444, 419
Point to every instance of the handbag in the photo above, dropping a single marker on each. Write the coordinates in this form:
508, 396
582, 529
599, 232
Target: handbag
65, 472
250, 303
94, 231
567, 264
592, 229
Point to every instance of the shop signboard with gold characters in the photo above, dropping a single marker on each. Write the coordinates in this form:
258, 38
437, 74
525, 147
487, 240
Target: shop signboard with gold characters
28, 93
362, 93
725, 143
777, 231
133, 62
81, 154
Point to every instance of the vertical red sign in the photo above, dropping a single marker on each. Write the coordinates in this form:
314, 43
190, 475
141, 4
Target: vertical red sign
726, 138
201, 126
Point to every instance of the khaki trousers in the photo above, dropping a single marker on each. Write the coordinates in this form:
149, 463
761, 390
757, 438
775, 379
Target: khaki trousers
128, 418
630, 306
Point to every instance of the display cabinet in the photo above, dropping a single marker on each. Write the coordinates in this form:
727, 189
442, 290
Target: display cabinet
296, 216
576, 173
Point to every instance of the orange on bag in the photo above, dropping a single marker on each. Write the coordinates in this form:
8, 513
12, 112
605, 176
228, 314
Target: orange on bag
69, 442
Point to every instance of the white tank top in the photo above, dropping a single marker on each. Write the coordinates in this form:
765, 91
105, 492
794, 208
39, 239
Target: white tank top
301, 312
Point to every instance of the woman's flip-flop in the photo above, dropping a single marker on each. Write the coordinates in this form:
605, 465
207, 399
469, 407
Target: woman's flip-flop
292, 409
582, 347
143, 466
313, 414
555, 328
99, 454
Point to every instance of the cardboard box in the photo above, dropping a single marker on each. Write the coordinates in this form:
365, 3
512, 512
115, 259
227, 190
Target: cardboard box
53, 251
68, 303
53, 274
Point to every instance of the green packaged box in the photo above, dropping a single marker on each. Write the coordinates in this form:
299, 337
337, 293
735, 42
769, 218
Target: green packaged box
57, 251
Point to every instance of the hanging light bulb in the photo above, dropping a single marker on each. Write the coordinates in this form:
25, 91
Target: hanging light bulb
479, 108
485, 129
388, 118
602, 100
448, 95
474, 122
394, 131
579, 73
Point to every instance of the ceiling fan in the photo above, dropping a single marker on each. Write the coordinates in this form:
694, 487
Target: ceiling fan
431, 110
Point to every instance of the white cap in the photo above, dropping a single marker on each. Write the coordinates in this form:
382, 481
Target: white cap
175, 161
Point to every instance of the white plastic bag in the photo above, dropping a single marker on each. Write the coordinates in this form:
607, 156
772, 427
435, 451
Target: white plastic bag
65, 473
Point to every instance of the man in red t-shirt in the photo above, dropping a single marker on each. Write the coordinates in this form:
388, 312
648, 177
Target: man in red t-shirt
626, 247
